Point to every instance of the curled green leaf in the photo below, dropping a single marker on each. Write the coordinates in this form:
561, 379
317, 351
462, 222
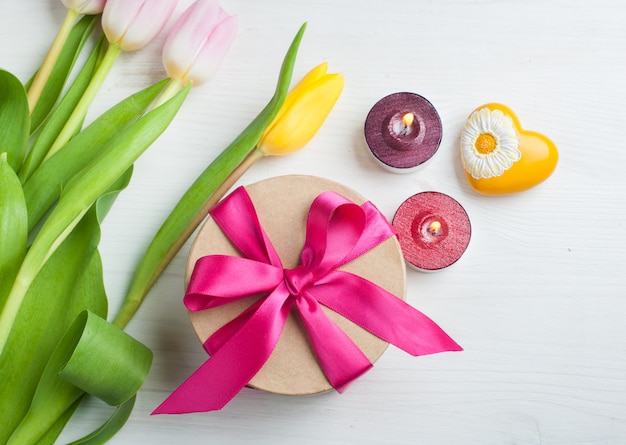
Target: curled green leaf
93, 356
111, 426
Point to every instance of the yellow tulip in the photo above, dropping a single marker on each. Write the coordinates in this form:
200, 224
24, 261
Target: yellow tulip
303, 113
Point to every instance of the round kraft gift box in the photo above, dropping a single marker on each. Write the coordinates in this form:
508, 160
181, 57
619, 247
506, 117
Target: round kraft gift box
282, 205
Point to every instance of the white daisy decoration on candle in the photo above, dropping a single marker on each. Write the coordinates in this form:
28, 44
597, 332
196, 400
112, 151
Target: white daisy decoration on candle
489, 144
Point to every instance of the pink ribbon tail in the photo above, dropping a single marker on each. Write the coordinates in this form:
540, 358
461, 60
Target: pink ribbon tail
339, 357
221, 377
381, 313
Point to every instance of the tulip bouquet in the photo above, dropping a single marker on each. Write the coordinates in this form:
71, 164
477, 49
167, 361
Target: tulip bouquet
58, 180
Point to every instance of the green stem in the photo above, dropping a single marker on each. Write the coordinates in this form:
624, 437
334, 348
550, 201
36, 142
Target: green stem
39, 82
173, 87
204, 193
78, 115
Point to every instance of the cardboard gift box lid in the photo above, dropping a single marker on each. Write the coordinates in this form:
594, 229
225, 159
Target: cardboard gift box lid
282, 204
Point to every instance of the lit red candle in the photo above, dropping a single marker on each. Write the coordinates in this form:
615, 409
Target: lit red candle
403, 131
433, 229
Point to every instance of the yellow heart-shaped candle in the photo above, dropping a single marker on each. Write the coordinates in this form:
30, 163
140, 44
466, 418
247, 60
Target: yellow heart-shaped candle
499, 157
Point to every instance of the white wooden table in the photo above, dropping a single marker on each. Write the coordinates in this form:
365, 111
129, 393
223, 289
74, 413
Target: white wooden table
539, 299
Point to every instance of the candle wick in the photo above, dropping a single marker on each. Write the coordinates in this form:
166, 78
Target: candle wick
407, 121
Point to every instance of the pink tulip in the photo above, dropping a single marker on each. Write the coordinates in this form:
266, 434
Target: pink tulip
85, 6
132, 24
198, 42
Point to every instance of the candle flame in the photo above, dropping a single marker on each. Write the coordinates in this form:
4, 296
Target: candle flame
408, 119
434, 227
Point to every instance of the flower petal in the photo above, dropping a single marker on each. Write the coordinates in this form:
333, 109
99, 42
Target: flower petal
132, 24
213, 52
305, 83
506, 152
198, 42
85, 6
309, 107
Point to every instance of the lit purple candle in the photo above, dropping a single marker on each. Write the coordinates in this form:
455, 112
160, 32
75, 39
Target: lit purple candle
403, 131
433, 230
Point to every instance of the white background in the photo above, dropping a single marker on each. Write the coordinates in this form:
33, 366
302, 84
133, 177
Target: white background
537, 301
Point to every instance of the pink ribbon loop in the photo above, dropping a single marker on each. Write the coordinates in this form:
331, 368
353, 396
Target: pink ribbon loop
337, 231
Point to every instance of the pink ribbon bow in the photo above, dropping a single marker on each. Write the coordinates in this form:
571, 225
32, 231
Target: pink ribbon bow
337, 231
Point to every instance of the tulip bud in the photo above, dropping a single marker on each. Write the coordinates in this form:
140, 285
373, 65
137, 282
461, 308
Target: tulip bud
87, 7
132, 24
198, 42
303, 113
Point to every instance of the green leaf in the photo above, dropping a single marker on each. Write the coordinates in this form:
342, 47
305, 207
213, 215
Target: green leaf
93, 356
44, 187
57, 119
111, 426
104, 361
104, 204
13, 227
50, 437
70, 282
15, 119
192, 207
62, 69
